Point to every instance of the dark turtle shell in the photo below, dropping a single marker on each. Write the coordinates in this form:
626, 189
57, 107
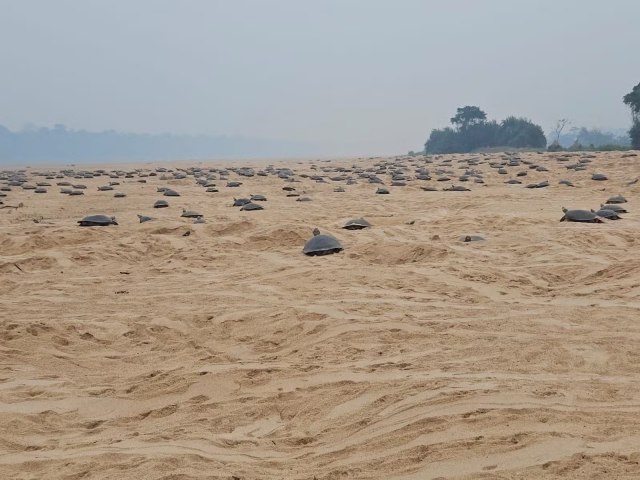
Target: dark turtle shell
97, 221
239, 202
170, 193
382, 191
617, 199
580, 216
356, 224
251, 206
599, 176
322, 244
608, 214
613, 206
161, 204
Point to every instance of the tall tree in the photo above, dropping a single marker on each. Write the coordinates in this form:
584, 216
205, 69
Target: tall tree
467, 116
633, 100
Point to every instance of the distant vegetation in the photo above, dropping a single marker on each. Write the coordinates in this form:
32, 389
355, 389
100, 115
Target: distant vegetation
583, 139
59, 144
471, 131
632, 99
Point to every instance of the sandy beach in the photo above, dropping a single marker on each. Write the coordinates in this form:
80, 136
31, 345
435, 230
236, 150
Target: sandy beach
174, 350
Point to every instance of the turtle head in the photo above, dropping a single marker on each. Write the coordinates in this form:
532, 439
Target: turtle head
564, 210
467, 238
316, 232
113, 221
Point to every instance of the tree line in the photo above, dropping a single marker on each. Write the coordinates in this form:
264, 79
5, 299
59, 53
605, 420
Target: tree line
60, 144
471, 131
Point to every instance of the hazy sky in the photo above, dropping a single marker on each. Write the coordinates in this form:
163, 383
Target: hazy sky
358, 76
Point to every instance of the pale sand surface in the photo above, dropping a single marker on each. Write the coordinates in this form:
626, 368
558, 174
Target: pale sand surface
134, 352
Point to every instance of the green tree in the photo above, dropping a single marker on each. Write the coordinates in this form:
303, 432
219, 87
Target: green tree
632, 99
467, 116
520, 133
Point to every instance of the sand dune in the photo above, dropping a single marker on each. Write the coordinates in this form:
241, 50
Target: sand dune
172, 350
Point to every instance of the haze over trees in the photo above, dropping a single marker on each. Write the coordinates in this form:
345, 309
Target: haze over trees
632, 99
471, 131
593, 138
60, 144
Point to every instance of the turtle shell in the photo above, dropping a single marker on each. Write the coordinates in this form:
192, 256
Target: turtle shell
580, 216
617, 199
613, 206
190, 214
356, 224
161, 204
322, 244
251, 206
608, 214
97, 221
239, 202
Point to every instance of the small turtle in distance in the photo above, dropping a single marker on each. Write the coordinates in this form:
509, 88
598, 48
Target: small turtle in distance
356, 224
97, 221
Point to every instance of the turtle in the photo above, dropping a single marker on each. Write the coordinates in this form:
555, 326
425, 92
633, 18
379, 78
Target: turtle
190, 214
513, 181
321, 244
145, 218
105, 188
568, 183
472, 238
97, 221
599, 177
239, 202
251, 206
608, 214
303, 199
161, 204
199, 220
382, 191
234, 184
76, 193
457, 188
356, 224
258, 198
40, 190
66, 190
170, 193
212, 190
617, 199
579, 216
339, 189
613, 206
429, 189
523, 173
119, 195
